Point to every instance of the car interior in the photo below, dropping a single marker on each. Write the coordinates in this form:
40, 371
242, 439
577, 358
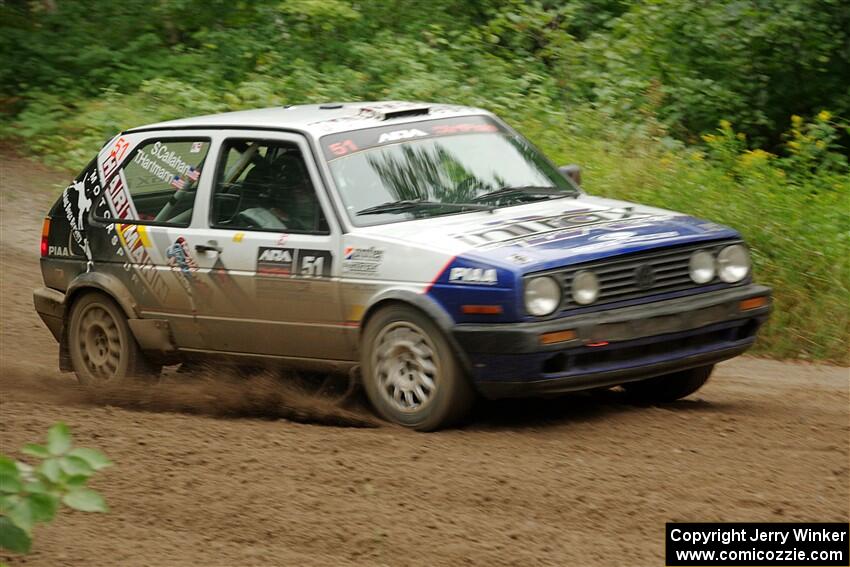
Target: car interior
265, 185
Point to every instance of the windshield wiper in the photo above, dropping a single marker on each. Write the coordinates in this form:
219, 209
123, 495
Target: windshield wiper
408, 204
531, 190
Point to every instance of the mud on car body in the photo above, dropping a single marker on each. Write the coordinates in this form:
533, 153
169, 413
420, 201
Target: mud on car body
430, 246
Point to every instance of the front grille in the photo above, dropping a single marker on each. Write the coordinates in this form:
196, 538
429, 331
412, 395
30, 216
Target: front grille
638, 275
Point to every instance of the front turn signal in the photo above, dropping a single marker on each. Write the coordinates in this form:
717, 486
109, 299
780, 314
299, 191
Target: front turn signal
481, 309
557, 337
752, 303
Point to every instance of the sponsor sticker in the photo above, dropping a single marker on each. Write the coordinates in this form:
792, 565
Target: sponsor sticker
275, 261
519, 258
58, 251
397, 135
486, 276
346, 143
362, 261
180, 258
77, 200
544, 230
289, 262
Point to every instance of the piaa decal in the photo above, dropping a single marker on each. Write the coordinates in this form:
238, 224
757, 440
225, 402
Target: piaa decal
474, 275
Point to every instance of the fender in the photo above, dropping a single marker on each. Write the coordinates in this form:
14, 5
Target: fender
425, 304
89, 280
153, 335
109, 284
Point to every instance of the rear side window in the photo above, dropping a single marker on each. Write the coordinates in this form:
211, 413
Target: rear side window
160, 181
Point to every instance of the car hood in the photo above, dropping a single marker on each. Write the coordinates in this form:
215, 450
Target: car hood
551, 233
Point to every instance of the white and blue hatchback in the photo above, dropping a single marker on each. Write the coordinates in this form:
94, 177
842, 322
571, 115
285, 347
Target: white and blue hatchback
429, 245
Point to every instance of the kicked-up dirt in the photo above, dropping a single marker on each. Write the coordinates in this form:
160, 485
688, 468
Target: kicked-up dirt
222, 470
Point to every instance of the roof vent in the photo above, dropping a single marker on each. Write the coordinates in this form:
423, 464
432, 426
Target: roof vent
330, 106
394, 110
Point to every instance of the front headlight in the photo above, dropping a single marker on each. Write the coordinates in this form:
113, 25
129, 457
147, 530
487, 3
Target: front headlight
542, 296
733, 263
701, 267
585, 287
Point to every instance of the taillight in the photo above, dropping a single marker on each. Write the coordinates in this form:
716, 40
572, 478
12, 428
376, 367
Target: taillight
45, 232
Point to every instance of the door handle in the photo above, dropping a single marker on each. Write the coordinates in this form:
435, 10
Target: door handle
210, 246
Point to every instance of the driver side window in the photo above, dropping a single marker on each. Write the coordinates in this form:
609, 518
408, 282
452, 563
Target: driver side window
264, 185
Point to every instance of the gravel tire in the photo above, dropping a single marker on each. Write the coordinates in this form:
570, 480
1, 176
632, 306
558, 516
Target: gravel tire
100, 343
411, 374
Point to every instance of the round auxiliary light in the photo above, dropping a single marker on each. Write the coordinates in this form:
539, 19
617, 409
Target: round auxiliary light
701, 267
733, 263
542, 296
585, 287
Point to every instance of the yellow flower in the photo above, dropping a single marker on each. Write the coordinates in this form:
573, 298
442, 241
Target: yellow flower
754, 157
698, 156
741, 136
820, 144
824, 115
796, 120
794, 144
709, 138
725, 125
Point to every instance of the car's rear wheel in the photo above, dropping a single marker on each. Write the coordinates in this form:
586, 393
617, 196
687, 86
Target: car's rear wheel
669, 387
410, 372
101, 345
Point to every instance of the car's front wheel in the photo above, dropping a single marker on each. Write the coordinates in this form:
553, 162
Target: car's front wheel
100, 343
410, 372
669, 387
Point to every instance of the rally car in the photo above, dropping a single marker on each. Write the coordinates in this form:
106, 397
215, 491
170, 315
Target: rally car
429, 246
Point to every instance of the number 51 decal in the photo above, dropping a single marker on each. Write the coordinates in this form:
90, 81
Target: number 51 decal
314, 263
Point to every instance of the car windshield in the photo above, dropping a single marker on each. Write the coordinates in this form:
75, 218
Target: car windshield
437, 167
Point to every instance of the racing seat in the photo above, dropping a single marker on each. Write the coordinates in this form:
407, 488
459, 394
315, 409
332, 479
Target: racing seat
292, 193
250, 193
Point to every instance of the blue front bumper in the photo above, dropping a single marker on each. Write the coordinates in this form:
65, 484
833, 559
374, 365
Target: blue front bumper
614, 346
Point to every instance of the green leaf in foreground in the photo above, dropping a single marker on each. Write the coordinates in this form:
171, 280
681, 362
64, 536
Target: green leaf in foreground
58, 439
7, 466
9, 484
85, 500
38, 451
20, 514
12, 537
94, 458
43, 507
75, 466
50, 469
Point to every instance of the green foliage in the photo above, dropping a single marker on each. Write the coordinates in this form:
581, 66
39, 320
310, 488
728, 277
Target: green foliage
692, 63
632, 91
33, 494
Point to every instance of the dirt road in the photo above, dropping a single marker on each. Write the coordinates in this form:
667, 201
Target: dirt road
584, 480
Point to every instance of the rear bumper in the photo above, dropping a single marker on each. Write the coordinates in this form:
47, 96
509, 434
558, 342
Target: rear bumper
614, 346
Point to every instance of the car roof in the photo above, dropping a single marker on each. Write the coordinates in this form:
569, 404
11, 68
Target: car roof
321, 119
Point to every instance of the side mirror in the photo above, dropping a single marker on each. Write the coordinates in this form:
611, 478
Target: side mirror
572, 171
